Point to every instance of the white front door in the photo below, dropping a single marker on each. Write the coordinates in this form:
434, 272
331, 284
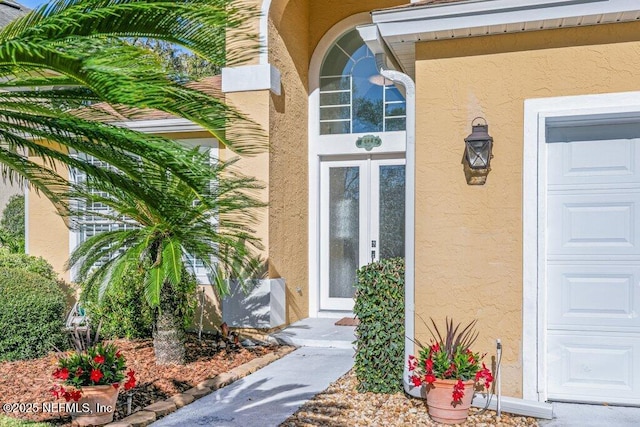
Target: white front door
593, 263
361, 220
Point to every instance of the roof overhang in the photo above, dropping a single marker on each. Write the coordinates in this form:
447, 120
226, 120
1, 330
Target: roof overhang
401, 27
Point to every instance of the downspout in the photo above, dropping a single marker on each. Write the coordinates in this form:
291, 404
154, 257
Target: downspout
410, 203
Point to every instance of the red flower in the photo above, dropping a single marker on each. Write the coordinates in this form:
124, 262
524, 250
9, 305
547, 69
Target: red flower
429, 365
417, 382
131, 382
99, 359
75, 395
57, 391
484, 376
413, 362
61, 374
79, 371
118, 354
435, 348
96, 374
430, 378
458, 391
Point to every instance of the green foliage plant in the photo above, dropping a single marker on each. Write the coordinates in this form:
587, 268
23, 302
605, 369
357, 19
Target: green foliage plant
380, 335
123, 311
69, 69
32, 310
32, 264
12, 225
450, 357
102, 364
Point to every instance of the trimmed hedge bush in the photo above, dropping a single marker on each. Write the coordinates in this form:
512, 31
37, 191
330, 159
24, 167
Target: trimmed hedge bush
379, 360
123, 310
32, 310
36, 265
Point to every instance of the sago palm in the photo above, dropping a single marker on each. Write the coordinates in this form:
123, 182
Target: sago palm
76, 53
162, 221
71, 55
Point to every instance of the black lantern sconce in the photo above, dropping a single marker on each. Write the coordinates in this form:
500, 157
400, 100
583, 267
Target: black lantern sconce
477, 154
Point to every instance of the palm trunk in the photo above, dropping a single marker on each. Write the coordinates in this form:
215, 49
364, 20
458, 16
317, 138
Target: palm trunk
168, 332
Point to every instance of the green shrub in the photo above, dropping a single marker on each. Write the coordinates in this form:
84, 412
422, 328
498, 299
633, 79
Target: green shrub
379, 360
12, 225
32, 310
13, 216
36, 265
124, 311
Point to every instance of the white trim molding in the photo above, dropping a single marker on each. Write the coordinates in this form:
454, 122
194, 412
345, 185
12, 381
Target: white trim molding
251, 77
161, 125
403, 26
490, 14
538, 114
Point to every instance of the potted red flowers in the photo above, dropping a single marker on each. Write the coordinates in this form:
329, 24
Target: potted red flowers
94, 378
449, 369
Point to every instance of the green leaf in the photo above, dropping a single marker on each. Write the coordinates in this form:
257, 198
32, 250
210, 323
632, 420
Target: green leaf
153, 284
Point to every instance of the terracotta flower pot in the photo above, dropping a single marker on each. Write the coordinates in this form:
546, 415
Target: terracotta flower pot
96, 406
440, 401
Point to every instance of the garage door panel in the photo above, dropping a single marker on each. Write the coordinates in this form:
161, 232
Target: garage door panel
595, 296
594, 162
594, 367
588, 224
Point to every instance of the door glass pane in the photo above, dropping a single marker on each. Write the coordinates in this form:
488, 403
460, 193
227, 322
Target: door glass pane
392, 213
344, 230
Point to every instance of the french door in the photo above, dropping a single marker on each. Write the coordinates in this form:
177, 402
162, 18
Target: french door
362, 220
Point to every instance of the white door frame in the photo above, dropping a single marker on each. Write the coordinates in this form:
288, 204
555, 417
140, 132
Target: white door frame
369, 212
393, 143
537, 113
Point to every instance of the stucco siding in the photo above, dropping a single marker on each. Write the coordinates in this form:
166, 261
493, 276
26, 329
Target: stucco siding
469, 238
288, 130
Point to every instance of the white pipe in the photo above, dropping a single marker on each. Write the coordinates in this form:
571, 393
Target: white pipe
498, 375
410, 168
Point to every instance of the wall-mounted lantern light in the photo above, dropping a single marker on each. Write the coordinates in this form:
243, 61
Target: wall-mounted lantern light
477, 155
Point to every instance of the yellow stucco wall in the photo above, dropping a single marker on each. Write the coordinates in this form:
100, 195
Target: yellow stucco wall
288, 201
48, 235
469, 238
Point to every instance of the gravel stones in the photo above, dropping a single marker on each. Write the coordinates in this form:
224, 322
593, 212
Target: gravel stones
342, 406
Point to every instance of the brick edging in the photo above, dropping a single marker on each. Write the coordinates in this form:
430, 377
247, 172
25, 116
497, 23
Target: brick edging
161, 408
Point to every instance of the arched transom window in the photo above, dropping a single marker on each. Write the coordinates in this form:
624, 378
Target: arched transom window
354, 97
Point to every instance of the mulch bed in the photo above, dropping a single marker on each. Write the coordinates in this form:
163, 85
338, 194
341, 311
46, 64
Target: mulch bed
30, 381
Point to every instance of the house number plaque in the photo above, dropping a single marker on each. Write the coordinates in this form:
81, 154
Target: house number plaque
368, 142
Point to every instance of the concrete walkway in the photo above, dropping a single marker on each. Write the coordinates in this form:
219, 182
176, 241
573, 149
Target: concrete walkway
272, 394
583, 415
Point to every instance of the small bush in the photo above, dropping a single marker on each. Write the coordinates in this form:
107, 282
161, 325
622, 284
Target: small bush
13, 216
12, 225
379, 360
36, 265
123, 310
32, 310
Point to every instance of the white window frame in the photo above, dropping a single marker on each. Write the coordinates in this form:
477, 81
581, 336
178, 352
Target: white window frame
75, 235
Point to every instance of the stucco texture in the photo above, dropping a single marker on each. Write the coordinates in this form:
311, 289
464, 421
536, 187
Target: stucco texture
469, 238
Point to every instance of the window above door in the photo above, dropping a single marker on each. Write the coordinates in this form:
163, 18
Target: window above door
354, 97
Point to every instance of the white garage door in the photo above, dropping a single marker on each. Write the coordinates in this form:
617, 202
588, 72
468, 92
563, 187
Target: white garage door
593, 263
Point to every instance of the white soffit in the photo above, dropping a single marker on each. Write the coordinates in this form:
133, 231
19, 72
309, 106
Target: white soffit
403, 26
